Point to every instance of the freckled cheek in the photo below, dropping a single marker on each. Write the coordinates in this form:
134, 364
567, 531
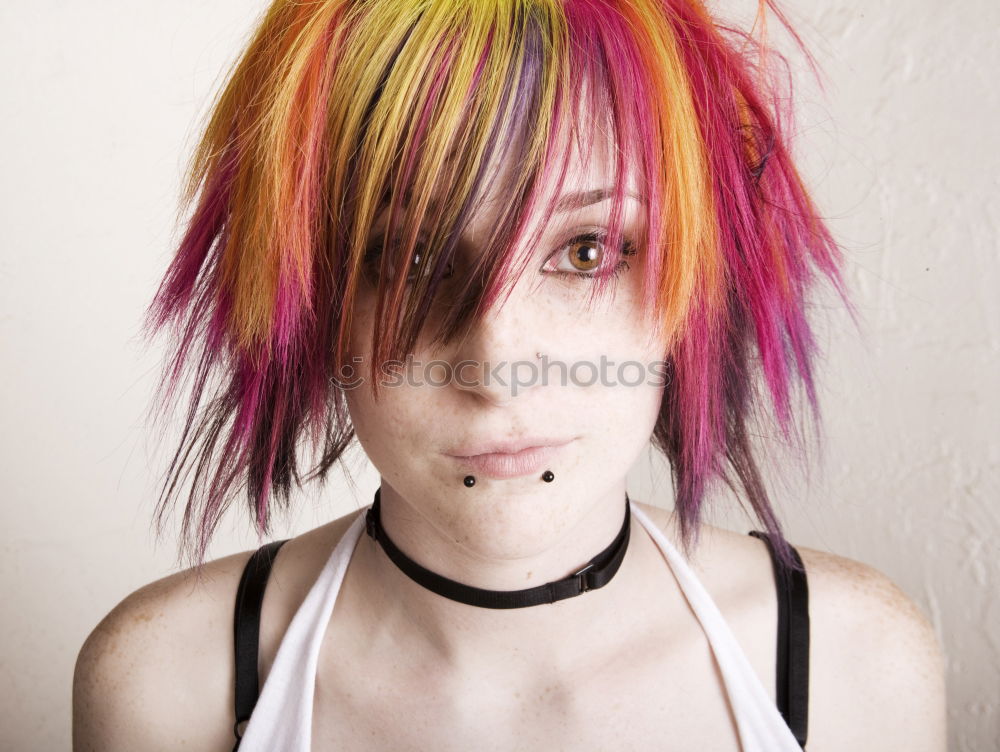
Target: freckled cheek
628, 408
393, 427
631, 400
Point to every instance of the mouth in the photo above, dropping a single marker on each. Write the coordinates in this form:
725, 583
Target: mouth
522, 460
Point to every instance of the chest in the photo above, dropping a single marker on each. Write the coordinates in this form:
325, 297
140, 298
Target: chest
669, 698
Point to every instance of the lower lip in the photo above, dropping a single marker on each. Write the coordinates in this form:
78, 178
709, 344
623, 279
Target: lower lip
500, 465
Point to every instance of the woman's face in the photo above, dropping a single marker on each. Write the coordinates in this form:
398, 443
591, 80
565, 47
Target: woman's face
601, 411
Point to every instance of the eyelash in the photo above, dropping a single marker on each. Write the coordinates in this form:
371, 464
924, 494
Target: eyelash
374, 252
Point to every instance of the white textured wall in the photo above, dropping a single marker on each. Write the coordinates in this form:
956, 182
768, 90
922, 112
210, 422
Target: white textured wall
99, 102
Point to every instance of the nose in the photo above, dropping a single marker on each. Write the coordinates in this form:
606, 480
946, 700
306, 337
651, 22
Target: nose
497, 360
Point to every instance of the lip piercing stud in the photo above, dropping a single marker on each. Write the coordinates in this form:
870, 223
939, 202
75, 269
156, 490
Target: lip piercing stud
470, 480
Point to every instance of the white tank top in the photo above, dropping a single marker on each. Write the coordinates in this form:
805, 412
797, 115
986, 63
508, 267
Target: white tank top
282, 718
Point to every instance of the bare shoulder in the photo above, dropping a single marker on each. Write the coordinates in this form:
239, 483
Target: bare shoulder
153, 672
874, 658
876, 666
157, 671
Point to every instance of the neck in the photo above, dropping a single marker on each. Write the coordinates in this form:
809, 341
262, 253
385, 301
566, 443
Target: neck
508, 549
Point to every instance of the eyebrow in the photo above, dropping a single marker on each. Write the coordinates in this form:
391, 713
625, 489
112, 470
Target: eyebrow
586, 198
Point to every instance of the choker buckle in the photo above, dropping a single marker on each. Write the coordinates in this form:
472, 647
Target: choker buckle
582, 575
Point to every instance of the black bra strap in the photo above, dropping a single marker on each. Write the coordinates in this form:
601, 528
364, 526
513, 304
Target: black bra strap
246, 632
792, 675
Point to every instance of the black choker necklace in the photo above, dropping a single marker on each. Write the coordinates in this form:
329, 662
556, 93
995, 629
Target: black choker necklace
596, 574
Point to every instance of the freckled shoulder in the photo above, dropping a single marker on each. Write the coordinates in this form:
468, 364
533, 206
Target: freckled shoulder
158, 672
876, 665
155, 671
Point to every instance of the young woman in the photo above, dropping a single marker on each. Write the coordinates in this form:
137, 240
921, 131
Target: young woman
504, 244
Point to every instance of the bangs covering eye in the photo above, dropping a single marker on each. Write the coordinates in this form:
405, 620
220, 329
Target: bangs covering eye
338, 109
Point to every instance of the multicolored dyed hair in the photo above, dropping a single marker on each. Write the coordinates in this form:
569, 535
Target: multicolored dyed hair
338, 109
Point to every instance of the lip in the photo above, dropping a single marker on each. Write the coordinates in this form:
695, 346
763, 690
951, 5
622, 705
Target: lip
510, 459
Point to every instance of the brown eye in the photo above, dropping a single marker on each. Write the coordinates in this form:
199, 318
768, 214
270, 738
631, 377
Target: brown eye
586, 257
373, 259
449, 270
584, 254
